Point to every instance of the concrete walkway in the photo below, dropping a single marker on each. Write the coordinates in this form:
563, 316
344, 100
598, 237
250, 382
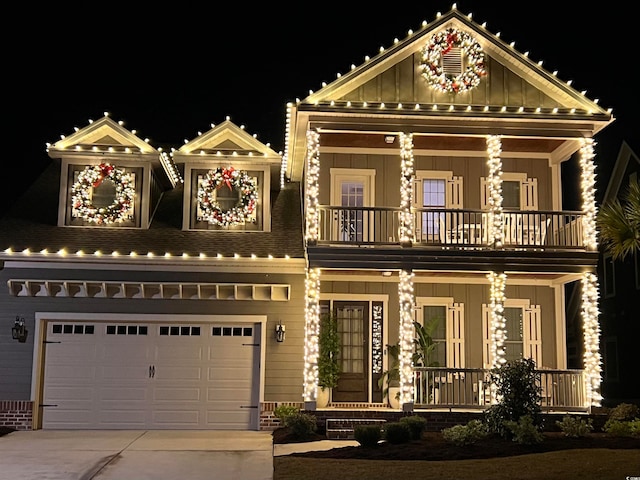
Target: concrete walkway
136, 455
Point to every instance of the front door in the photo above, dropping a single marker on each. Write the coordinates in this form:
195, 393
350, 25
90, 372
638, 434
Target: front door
353, 329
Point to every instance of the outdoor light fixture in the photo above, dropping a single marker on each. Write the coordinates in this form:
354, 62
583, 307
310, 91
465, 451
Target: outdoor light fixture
19, 332
280, 332
389, 138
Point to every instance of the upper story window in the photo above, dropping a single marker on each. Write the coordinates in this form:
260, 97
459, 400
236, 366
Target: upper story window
104, 194
433, 190
519, 192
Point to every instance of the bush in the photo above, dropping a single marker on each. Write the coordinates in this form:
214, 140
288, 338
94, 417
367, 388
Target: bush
285, 411
302, 425
618, 428
575, 427
416, 424
396, 433
468, 434
519, 393
367, 435
624, 412
524, 431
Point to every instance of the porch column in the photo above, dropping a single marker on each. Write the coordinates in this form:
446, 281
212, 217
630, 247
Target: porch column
496, 219
311, 334
312, 175
498, 326
590, 292
405, 340
407, 227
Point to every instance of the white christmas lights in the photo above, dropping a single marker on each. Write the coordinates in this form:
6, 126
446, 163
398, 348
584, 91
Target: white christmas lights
406, 188
406, 335
312, 187
591, 332
588, 183
311, 333
498, 325
494, 180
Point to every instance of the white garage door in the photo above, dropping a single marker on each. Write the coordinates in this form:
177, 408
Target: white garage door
151, 376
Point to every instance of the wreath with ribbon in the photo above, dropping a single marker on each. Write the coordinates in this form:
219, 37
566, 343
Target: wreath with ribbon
92, 177
440, 44
230, 178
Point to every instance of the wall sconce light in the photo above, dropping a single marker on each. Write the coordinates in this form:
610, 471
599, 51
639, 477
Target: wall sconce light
280, 332
389, 138
19, 331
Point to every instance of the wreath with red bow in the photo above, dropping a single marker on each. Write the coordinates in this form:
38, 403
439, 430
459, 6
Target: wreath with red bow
440, 44
229, 178
92, 177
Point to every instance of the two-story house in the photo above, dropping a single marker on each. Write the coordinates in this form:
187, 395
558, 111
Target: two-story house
143, 288
433, 193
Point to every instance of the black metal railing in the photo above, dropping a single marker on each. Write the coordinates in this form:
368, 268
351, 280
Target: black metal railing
451, 227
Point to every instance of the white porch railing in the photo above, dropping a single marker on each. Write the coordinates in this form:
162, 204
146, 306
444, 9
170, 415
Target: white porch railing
469, 388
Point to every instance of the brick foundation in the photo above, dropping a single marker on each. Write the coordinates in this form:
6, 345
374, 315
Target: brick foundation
16, 414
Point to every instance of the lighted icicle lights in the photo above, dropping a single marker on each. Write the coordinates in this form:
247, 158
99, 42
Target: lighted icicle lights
406, 188
494, 162
591, 332
588, 182
498, 326
311, 334
406, 336
311, 186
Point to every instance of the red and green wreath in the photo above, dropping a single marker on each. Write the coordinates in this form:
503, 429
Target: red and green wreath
440, 44
92, 177
229, 178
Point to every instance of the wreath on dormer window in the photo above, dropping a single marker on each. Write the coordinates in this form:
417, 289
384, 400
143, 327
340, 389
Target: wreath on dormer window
92, 177
440, 44
230, 178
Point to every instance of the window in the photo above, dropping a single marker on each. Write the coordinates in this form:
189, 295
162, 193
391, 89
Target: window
444, 321
352, 188
518, 192
511, 195
435, 190
608, 267
513, 345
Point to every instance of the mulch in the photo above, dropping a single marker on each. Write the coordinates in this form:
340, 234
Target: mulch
433, 446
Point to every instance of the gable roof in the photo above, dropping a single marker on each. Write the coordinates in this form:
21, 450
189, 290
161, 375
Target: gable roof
107, 135
388, 94
626, 158
227, 138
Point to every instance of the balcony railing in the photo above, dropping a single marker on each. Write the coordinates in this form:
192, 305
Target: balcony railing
469, 388
448, 227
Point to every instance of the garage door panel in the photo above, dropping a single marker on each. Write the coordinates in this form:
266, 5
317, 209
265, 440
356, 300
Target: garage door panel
193, 394
146, 375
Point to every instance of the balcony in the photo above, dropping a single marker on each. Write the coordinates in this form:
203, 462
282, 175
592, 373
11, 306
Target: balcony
447, 228
469, 388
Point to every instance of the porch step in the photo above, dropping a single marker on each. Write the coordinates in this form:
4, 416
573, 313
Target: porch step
344, 428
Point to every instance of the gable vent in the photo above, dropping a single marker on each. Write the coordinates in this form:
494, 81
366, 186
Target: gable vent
452, 62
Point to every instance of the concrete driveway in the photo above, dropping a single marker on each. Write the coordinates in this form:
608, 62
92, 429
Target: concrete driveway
136, 455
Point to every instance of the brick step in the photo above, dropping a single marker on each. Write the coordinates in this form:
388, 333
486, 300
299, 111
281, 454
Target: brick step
344, 428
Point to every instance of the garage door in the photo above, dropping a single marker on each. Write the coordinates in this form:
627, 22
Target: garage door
151, 376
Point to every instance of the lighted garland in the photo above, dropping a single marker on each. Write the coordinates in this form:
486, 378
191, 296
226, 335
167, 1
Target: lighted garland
92, 177
440, 44
231, 178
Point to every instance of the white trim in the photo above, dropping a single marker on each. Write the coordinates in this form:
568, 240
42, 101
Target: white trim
366, 176
37, 372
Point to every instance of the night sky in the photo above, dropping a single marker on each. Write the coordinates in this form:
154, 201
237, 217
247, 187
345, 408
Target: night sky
171, 72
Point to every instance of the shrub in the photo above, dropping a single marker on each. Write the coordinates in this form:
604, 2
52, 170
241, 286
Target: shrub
468, 434
524, 431
416, 425
518, 389
396, 433
284, 411
624, 412
575, 427
302, 425
618, 428
367, 435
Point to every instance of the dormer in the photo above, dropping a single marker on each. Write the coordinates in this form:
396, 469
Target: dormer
228, 180
110, 178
